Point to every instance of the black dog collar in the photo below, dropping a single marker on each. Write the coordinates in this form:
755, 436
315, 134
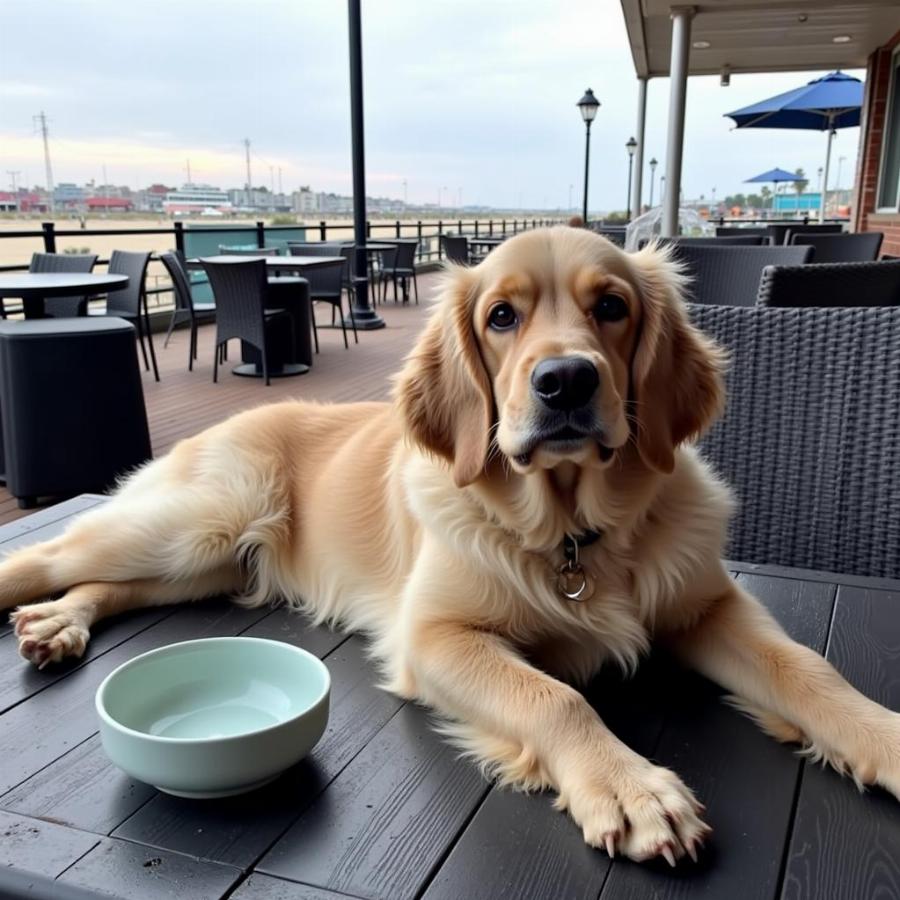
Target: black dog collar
572, 544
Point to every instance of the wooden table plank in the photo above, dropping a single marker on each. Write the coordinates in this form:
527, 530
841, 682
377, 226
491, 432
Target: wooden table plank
238, 830
387, 819
123, 869
265, 887
39, 731
31, 846
746, 779
845, 844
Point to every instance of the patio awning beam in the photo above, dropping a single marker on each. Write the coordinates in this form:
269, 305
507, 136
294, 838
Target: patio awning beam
637, 186
681, 50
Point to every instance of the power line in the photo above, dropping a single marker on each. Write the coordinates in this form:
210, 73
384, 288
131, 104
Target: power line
247, 152
13, 175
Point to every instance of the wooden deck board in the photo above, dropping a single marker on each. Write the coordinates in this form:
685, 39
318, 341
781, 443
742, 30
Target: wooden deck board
183, 403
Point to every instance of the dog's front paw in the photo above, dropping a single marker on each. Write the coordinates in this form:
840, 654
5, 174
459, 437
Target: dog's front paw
48, 633
641, 811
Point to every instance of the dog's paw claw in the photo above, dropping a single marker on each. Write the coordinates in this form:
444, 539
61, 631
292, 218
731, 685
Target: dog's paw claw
48, 634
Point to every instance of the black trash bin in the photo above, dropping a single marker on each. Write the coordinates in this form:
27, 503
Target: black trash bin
72, 406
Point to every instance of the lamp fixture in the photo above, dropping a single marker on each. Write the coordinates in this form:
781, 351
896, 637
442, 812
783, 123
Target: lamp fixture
701, 45
841, 39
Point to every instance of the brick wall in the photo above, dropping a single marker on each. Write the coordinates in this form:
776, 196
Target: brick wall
871, 138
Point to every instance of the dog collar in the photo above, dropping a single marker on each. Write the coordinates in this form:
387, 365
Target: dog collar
572, 581
572, 543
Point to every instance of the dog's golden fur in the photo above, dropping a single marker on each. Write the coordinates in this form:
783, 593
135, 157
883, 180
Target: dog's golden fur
434, 523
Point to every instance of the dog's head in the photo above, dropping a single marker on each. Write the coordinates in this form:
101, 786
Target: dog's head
559, 346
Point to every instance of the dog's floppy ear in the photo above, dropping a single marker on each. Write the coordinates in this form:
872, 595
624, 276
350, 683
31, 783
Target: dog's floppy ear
677, 371
443, 391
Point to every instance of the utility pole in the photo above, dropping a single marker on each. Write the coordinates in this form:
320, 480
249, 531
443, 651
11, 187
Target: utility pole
272, 178
280, 188
404, 192
12, 178
249, 182
43, 120
188, 167
105, 182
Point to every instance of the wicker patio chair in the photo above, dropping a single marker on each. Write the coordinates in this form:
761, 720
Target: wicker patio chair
186, 310
810, 434
731, 231
780, 231
326, 284
242, 290
247, 251
841, 248
131, 303
60, 307
730, 275
323, 248
831, 284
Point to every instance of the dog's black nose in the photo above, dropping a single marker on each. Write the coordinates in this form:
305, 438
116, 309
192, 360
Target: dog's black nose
564, 382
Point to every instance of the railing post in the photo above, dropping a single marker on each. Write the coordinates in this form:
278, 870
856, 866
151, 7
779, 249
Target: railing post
260, 234
49, 237
419, 238
323, 230
515, 227
459, 224
368, 229
503, 226
397, 226
476, 227
179, 236
490, 227
440, 245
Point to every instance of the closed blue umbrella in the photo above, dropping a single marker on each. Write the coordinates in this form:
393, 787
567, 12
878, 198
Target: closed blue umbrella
825, 104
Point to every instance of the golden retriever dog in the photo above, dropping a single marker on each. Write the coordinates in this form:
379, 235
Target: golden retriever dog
526, 509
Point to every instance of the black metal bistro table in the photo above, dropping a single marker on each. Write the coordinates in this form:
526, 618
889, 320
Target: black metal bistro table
286, 361
33, 287
384, 809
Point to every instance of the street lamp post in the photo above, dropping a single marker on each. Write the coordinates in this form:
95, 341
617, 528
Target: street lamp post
630, 146
653, 164
588, 106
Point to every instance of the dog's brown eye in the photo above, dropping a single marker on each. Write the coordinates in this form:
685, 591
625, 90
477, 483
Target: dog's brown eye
610, 308
502, 317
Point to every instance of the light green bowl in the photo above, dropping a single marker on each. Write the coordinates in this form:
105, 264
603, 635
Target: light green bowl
213, 717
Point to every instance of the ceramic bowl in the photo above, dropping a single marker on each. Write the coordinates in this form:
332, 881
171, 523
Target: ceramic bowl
213, 717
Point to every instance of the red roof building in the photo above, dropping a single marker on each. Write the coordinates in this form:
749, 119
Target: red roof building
117, 203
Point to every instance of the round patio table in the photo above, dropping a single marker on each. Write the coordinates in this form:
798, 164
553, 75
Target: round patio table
32, 287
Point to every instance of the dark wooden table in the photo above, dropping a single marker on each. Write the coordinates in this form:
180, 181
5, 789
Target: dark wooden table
34, 287
383, 808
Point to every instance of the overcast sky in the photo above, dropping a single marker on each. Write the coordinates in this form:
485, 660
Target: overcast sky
476, 96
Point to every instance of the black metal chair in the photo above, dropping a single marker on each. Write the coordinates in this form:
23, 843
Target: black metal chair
131, 303
326, 284
810, 434
730, 275
733, 240
400, 264
186, 310
456, 248
841, 248
242, 294
831, 284
59, 307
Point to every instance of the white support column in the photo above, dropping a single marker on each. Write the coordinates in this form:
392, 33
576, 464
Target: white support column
638, 182
678, 74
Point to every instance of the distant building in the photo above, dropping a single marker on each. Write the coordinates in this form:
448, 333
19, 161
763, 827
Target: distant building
68, 196
151, 199
194, 198
304, 201
8, 202
32, 201
792, 202
107, 204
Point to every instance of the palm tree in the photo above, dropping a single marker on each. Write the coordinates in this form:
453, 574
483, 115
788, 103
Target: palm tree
801, 185
765, 192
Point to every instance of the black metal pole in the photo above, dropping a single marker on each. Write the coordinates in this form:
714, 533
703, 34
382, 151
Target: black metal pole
628, 204
587, 156
363, 315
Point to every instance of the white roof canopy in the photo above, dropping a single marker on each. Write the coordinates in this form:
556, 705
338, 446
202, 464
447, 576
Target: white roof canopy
761, 35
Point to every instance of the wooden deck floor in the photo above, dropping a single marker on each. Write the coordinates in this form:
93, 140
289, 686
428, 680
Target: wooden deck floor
184, 403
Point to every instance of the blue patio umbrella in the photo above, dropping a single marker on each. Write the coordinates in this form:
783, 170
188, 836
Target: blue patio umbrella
776, 176
825, 104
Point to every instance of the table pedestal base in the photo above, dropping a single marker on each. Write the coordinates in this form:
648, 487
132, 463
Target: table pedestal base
251, 370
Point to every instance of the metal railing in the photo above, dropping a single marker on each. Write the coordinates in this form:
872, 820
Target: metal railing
428, 235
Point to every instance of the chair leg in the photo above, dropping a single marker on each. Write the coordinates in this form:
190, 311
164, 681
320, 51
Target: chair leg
216, 355
150, 338
312, 318
415, 286
343, 325
352, 321
395, 288
140, 332
192, 347
171, 327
